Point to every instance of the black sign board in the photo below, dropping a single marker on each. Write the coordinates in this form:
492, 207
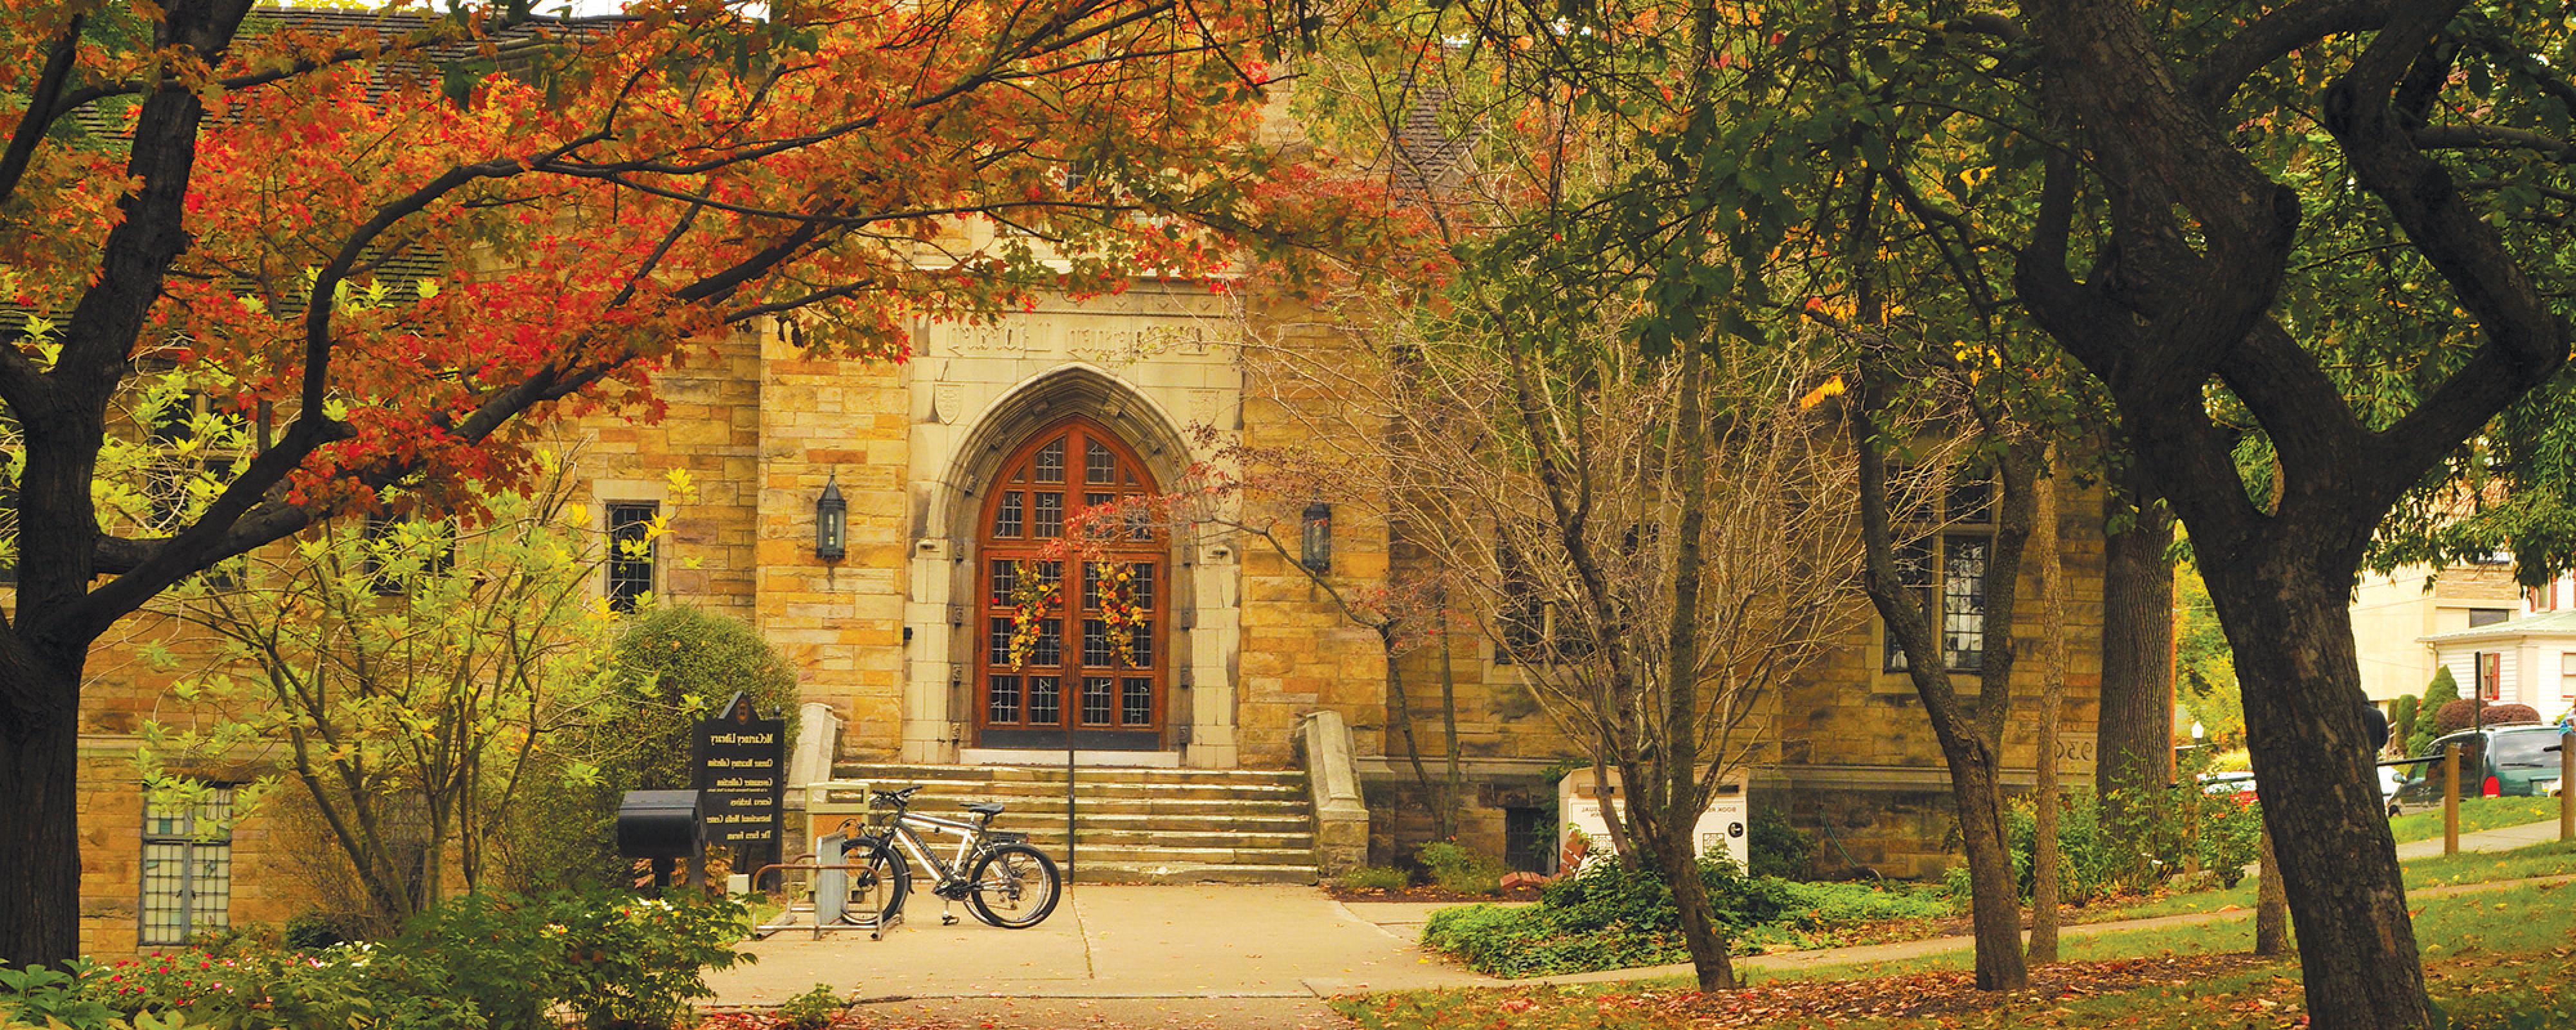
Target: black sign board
742, 773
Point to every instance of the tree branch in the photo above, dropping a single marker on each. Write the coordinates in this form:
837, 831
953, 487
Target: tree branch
2526, 341
44, 103
2276, 35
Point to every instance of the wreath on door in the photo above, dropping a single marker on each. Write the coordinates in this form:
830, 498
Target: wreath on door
1033, 598
1120, 615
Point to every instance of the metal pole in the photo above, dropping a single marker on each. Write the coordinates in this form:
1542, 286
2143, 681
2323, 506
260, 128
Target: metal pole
2451, 799
1067, 710
2567, 784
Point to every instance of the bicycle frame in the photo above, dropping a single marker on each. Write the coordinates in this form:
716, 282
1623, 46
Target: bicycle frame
970, 836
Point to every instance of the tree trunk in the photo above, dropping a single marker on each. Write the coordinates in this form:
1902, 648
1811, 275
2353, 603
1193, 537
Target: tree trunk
40, 825
1994, 897
1968, 746
1680, 756
2271, 907
2292, 635
2134, 750
1708, 948
2052, 700
1453, 786
1444, 815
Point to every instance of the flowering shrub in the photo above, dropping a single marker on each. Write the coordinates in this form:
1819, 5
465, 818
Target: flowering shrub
478, 962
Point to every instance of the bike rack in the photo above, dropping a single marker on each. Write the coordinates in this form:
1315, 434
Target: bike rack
815, 907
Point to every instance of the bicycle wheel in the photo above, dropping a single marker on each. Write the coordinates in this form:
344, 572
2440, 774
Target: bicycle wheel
879, 884
1014, 887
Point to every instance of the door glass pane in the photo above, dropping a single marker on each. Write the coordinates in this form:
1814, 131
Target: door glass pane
1050, 516
1043, 691
1003, 702
1007, 518
1096, 700
997, 650
1141, 583
1098, 465
1095, 644
1006, 578
1136, 702
1050, 463
1050, 649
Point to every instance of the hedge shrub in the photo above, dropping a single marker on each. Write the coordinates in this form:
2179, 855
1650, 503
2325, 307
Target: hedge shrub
678, 665
2457, 715
2442, 690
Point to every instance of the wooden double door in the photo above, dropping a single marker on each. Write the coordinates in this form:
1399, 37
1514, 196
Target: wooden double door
1071, 637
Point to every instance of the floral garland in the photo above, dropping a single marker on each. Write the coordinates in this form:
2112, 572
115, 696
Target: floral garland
1119, 612
1033, 597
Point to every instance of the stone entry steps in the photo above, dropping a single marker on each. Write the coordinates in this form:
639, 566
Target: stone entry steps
1134, 825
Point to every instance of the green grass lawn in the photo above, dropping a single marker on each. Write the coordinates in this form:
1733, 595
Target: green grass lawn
2552, 859
2475, 814
2495, 959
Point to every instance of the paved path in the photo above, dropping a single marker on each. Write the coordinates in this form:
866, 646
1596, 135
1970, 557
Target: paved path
2505, 839
1107, 942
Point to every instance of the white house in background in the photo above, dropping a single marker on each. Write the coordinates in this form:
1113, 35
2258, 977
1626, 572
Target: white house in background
2558, 596
2528, 661
2393, 613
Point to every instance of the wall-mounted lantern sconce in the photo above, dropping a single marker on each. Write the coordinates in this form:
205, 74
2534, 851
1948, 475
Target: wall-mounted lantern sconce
831, 522
1318, 537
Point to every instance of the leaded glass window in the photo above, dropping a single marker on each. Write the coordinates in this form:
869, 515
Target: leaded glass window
187, 867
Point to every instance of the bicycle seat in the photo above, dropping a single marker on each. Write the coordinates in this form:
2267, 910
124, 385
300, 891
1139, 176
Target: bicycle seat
987, 809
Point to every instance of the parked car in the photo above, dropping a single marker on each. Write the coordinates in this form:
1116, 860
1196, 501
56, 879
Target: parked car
2391, 779
2498, 761
2240, 785
2219, 784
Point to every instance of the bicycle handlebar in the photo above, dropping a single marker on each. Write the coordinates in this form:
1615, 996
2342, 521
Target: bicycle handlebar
894, 798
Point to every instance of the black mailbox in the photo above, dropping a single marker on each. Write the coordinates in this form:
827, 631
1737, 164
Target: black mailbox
658, 824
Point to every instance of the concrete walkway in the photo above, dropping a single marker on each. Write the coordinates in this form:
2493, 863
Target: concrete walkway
1107, 942
2505, 839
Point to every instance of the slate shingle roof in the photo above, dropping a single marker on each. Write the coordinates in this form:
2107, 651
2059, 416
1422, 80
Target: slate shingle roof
1423, 150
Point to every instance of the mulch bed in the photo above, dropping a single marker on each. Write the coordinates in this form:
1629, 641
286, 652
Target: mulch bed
1933, 995
1430, 894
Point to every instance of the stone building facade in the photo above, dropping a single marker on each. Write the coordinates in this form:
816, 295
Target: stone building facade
896, 634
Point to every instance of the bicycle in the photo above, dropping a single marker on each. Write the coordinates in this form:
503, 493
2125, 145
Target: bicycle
1003, 879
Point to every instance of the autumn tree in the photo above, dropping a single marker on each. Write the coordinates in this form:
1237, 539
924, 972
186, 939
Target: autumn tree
389, 245
413, 682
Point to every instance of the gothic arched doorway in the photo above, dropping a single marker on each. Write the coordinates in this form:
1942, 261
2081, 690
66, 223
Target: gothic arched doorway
1028, 690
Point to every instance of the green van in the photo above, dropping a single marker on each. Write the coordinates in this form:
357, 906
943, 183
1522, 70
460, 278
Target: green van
2498, 761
